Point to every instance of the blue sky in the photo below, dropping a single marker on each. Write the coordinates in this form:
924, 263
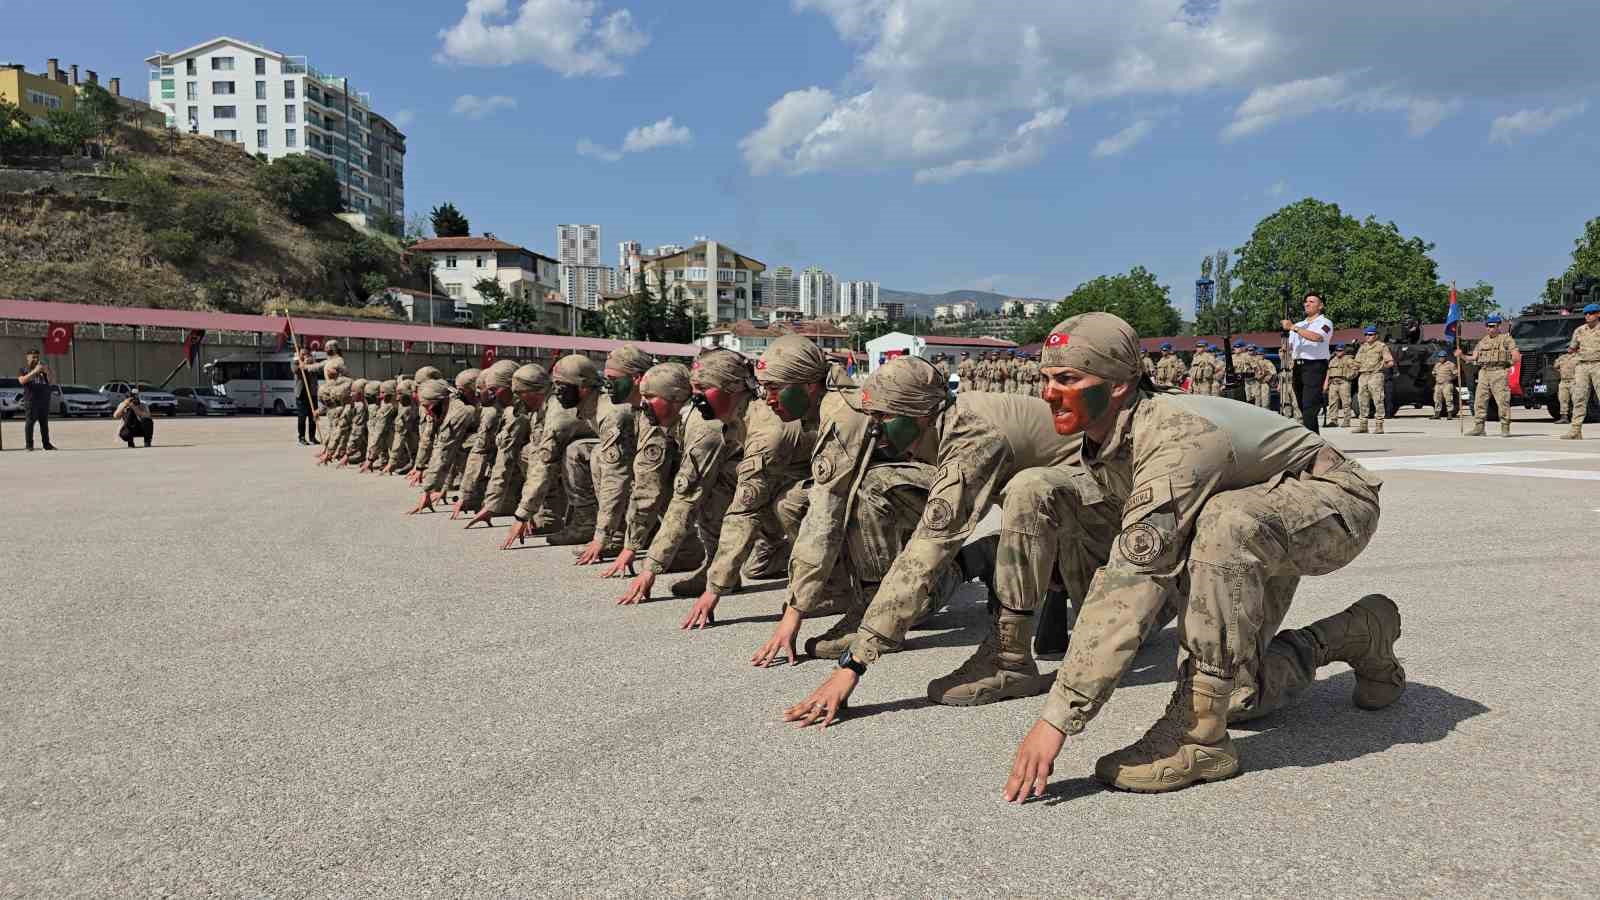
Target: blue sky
1020, 147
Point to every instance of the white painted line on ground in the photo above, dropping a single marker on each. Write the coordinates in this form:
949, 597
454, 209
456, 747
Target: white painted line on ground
1524, 471
1464, 460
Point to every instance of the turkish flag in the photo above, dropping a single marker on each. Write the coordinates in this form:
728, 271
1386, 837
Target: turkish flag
405, 346
283, 337
490, 354
58, 339
191, 345
312, 342
1514, 379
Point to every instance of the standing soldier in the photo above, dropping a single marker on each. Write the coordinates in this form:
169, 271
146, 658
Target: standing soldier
1243, 368
403, 449
1494, 354
1341, 370
1586, 374
1372, 362
1031, 381
1266, 374
1201, 365
530, 385
328, 393
450, 444
494, 402
1219, 511
599, 470
1171, 369
1288, 403
380, 429
427, 426
964, 372
1445, 398
943, 365
575, 381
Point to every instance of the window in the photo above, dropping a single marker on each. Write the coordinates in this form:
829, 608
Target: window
261, 137
261, 90
261, 66
168, 87
289, 139
194, 114
226, 135
480, 262
289, 114
453, 290
191, 91
450, 262
48, 101
188, 68
222, 87
261, 115
288, 90
222, 64
224, 112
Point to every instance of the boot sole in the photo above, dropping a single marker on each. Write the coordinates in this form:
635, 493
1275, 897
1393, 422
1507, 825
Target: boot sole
984, 698
1382, 609
1223, 768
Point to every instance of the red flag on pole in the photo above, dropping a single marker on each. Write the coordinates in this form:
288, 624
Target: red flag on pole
312, 342
191, 345
58, 338
283, 336
490, 354
405, 346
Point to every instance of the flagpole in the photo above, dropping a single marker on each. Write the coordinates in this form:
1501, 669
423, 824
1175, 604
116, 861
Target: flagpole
311, 399
1455, 357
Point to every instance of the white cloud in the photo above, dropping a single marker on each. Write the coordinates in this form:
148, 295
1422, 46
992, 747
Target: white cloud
939, 83
474, 107
1124, 139
561, 35
1531, 122
1025, 147
404, 118
1277, 189
587, 147
657, 134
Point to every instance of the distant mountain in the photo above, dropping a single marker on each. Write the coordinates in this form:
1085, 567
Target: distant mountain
924, 303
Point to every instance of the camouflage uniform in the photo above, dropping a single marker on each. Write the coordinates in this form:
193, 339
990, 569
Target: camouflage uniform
1371, 361
428, 427
1585, 375
403, 446
1341, 369
546, 457
1202, 373
355, 446
655, 467
965, 372
343, 416
1266, 373
521, 422
599, 470
1288, 402
1216, 510
1244, 367
494, 398
450, 443
1445, 398
1494, 356
380, 427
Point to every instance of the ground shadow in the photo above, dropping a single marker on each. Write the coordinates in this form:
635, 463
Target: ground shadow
747, 620
1069, 789
99, 449
864, 711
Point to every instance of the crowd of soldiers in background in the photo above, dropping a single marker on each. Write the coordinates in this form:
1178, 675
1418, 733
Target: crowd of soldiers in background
1010, 372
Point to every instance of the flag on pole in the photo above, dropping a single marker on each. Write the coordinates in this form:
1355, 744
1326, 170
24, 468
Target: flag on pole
58, 338
313, 342
490, 354
283, 336
1452, 318
405, 346
191, 345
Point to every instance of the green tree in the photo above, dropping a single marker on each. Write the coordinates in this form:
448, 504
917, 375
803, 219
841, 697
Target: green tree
1477, 301
1558, 291
1134, 296
449, 222
100, 106
373, 284
70, 129
388, 223
1365, 271
306, 189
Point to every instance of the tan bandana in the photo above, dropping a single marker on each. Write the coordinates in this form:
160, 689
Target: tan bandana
1098, 343
575, 368
724, 369
427, 373
531, 377
792, 359
905, 386
629, 360
669, 381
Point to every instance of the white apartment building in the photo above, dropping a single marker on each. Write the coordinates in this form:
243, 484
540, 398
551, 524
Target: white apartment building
781, 290
583, 285
819, 292
857, 298
459, 263
276, 104
578, 245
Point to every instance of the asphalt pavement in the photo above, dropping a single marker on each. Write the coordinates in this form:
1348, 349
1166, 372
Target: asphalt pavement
228, 672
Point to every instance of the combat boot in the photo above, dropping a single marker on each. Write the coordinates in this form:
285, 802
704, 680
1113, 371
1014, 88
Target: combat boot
1054, 629
1360, 428
1477, 430
1505, 427
1001, 669
1575, 433
1377, 427
1435, 415
1188, 744
579, 528
767, 560
839, 636
1364, 636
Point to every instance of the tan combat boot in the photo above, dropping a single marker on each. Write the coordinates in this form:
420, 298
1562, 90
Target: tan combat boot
1505, 427
1377, 427
578, 529
1364, 636
1477, 429
838, 637
1188, 744
1575, 433
1360, 428
1001, 669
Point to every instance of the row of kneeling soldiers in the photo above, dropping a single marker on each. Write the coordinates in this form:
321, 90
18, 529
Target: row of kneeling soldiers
1142, 503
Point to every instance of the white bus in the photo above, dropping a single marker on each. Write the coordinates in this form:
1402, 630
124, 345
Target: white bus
265, 383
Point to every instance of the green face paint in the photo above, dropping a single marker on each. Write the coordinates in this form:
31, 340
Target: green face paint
901, 432
795, 401
1096, 399
619, 388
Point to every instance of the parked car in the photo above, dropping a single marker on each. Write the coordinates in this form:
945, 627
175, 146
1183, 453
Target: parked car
82, 400
204, 401
158, 401
10, 397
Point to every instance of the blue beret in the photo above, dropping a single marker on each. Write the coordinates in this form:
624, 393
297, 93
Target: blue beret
1591, 308
1369, 330
1238, 345
1494, 319
1166, 346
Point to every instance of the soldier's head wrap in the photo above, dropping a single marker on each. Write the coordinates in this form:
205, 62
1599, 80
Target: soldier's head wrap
629, 360
499, 375
905, 386
434, 390
387, 386
405, 387
531, 377
722, 368
371, 389
358, 388
428, 373
792, 359
467, 378
332, 348
333, 367
576, 369
669, 381
341, 390
1096, 342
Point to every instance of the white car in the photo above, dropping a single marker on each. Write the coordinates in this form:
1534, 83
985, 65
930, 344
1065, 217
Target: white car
204, 401
158, 401
82, 400
10, 397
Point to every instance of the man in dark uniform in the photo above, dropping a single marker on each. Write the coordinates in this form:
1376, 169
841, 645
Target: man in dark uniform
36, 379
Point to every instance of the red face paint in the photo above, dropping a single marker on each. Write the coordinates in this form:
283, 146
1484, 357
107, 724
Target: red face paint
1075, 405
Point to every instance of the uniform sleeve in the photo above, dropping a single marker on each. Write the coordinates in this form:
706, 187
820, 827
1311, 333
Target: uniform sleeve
652, 485
447, 444
615, 455
427, 432
508, 445
1145, 566
766, 459
972, 468
482, 442
544, 466
695, 481
842, 453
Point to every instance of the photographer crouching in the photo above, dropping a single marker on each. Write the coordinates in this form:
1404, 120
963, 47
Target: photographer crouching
136, 420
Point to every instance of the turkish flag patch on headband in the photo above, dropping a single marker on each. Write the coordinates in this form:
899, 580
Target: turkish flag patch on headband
1056, 339
762, 364
866, 397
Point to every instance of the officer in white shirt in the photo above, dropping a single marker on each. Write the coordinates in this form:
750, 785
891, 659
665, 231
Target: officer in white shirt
1309, 340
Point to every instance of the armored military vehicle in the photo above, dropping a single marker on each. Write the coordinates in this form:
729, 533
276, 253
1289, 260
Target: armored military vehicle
1540, 339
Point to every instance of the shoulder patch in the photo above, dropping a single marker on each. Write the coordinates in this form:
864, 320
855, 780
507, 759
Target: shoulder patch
823, 468
652, 454
613, 455
1141, 544
938, 515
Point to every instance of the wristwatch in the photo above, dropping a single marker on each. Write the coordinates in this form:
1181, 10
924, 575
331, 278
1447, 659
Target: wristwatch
846, 661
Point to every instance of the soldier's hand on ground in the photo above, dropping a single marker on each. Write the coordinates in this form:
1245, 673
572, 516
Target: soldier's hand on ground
365, 467
638, 589
825, 702
782, 641
415, 479
590, 554
622, 564
485, 516
519, 534
455, 511
702, 613
1036, 759
426, 503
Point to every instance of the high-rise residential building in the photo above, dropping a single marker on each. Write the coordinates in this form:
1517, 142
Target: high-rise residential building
386, 154
819, 292
578, 245
857, 298
785, 293
708, 275
582, 285
280, 105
